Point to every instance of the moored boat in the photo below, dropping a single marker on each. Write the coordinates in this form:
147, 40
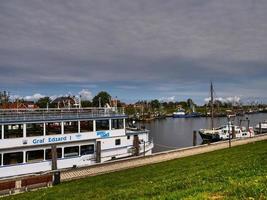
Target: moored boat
222, 133
29, 139
180, 113
261, 127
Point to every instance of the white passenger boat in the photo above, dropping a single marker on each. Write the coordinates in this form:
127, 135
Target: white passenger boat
80, 137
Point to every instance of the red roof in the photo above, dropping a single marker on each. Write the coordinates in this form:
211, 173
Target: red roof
19, 105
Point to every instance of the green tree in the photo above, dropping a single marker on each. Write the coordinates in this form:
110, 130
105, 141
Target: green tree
4, 97
104, 98
155, 104
42, 102
86, 103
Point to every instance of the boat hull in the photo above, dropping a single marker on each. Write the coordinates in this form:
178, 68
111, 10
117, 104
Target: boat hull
209, 137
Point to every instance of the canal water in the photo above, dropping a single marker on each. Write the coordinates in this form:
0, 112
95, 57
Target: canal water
172, 133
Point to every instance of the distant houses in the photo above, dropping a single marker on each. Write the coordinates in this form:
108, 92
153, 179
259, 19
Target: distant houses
65, 102
19, 105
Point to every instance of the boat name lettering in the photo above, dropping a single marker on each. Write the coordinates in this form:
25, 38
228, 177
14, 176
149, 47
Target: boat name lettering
38, 141
49, 140
57, 139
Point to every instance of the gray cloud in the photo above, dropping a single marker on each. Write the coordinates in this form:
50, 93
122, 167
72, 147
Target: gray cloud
173, 42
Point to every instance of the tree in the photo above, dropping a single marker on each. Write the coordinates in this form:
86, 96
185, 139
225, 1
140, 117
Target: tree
86, 103
155, 104
42, 102
4, 97
189, 103
104, 98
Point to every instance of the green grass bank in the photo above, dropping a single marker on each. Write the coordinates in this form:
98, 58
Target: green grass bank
236, 173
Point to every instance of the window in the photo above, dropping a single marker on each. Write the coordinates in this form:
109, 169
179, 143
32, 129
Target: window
71, 151
87, 149
53, 128
0, 159
117, 123
13, 158
35, 156
48, 153
34, 130
118, 142
102, 125
70, 127
13, 131
86, 126
128, 137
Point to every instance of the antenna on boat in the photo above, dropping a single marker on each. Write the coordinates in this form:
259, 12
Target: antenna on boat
211, 101
99, 102
80, 101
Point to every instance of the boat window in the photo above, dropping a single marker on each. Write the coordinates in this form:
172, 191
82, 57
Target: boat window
35, 156
48, 153
71, 127
34, 129
117, 123
53, 128
71, 151
86, 126
118, 142
13, 158
13, 131
87, 149
1, 159
128, 137
102, 125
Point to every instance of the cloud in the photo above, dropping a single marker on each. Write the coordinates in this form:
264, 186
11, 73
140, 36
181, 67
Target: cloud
167, 99
233, 99
86, 94
94, 42
34, 97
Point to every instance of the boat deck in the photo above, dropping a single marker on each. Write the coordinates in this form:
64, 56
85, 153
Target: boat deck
46, 115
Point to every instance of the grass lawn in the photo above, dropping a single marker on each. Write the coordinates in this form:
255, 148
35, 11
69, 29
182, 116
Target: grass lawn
236, 173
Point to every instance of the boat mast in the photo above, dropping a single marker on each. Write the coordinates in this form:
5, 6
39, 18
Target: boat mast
212, 108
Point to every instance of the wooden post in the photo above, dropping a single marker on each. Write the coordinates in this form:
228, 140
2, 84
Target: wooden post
136, 145
194, 138
56, 178
233, 132
229, 132
260, 130
144, 148
98, 152
54, 157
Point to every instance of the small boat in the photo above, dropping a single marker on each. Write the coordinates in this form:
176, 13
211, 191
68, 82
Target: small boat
222, 133
180, 113
261, 127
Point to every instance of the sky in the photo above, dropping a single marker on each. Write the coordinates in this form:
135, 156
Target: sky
135, 50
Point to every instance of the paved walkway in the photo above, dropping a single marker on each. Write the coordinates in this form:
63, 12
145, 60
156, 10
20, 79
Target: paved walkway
71, 174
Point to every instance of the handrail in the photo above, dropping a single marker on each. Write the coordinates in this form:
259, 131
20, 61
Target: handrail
7, 115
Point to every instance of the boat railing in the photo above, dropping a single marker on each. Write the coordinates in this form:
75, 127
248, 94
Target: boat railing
8, 115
